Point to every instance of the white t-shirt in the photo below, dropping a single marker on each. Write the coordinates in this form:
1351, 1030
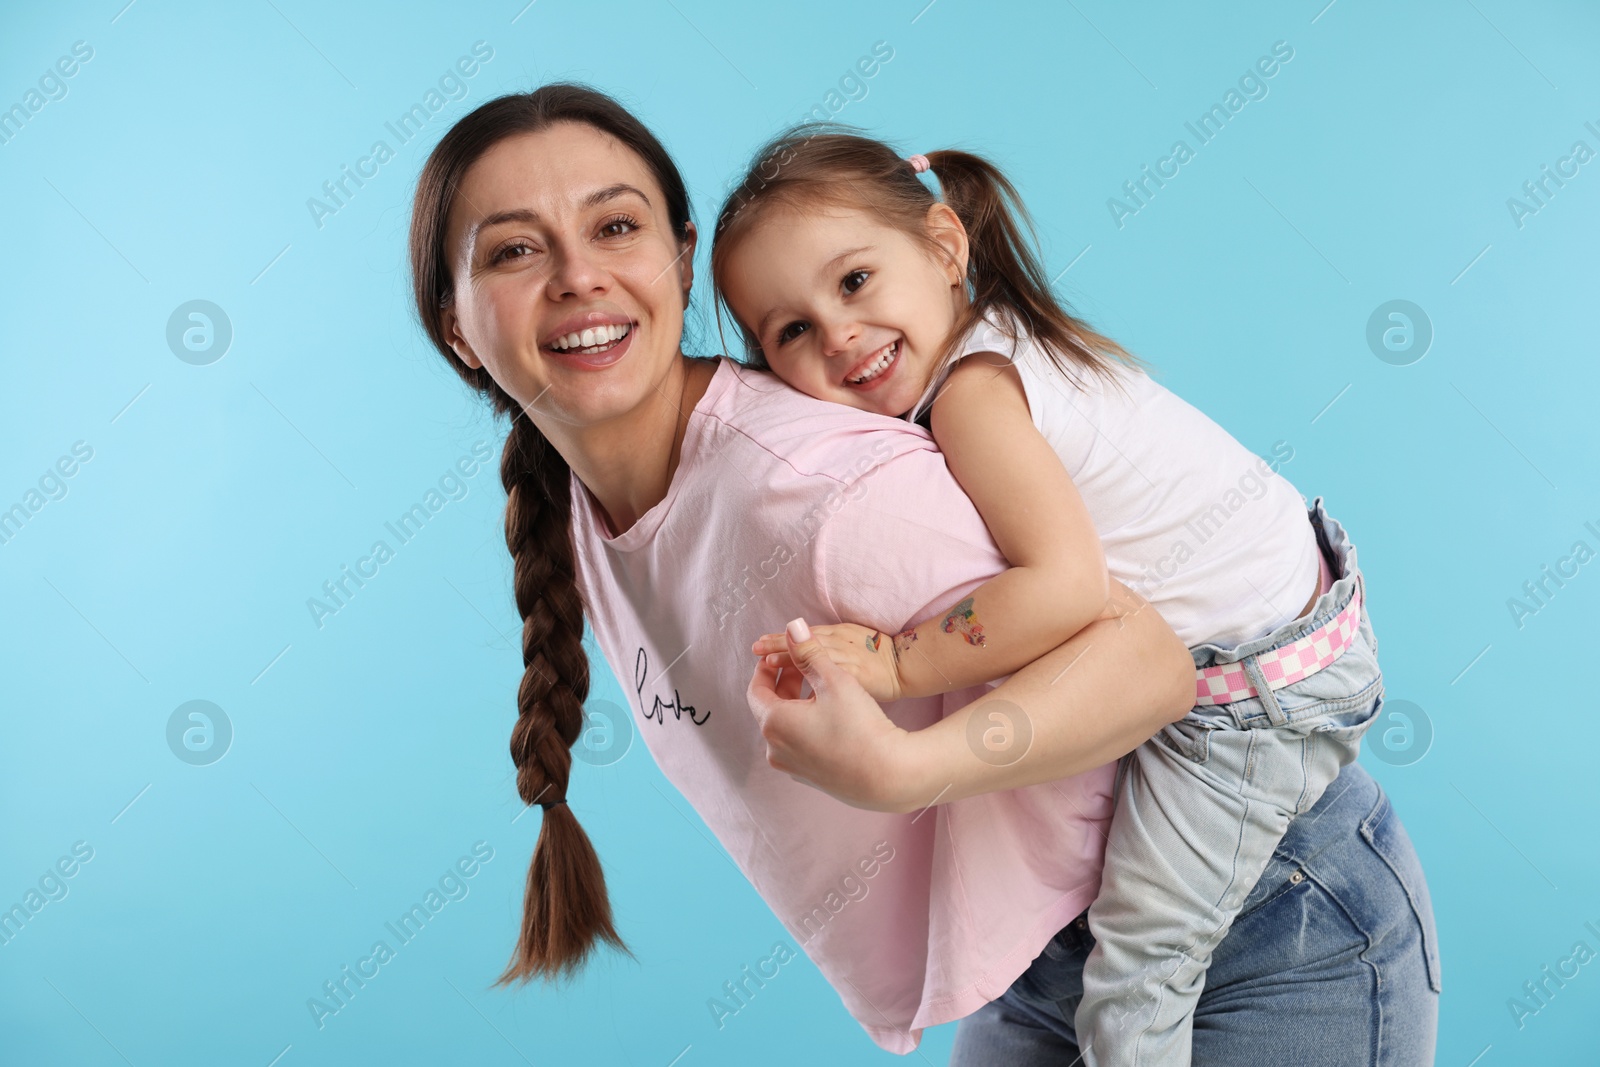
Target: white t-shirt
1190, 519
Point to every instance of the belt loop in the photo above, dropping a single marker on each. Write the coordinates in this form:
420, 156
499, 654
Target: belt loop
1325, 547
1269, 699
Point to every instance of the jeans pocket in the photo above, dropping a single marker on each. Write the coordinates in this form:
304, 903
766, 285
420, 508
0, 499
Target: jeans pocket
1388, 838
1056, 974
1054, 949
1348, 725
1189, 738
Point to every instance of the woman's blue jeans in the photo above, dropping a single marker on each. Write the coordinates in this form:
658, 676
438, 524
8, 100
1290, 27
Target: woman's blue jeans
1333, 961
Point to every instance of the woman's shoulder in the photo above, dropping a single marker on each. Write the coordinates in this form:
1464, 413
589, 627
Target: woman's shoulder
811, 437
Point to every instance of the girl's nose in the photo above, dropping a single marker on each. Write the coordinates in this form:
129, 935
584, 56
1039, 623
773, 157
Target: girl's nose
838, 337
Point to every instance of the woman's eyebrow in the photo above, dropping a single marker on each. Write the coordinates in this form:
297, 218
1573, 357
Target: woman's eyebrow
520, 214
594, 199
611, 192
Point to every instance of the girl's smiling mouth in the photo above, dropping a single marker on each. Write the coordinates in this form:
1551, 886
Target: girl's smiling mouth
875, 366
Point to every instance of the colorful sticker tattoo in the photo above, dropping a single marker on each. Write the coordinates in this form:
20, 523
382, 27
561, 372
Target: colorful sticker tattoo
964, 621
905, 639
872, 642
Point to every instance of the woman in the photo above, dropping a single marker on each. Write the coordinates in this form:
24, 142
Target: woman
686, 504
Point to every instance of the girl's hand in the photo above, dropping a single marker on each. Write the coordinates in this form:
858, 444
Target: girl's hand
838, 739
867, 655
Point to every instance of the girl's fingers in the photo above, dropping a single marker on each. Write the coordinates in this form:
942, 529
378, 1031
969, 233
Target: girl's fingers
768, 643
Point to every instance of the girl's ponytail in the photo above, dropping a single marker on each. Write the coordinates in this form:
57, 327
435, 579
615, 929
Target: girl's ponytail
1003, 272
824, 164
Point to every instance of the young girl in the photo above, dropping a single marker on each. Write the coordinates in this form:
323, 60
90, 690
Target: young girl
854, 283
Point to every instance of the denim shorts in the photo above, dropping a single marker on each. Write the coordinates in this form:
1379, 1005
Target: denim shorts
1332, 961
1215, 815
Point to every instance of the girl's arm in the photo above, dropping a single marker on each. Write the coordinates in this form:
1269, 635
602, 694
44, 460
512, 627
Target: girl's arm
1094, 699
1057, 583
1079, 706
1107, 689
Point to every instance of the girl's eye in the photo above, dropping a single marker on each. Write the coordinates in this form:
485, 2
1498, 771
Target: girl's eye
854, 280
790, 332
618, 226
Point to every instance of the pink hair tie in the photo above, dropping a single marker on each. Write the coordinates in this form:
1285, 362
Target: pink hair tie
919, 163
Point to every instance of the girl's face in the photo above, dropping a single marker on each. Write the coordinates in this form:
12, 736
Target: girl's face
846, 307
569, 284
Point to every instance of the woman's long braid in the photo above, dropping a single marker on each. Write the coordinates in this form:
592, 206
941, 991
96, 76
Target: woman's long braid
564, 914
566, 910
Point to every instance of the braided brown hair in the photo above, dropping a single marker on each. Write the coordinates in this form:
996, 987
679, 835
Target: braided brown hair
566, 911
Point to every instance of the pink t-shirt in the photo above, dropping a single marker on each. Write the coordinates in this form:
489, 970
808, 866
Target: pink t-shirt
782, 506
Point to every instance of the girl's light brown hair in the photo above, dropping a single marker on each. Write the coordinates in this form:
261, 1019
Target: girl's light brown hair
566, 910
828, 165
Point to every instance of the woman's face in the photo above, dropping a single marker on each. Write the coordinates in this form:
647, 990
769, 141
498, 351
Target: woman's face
569, 284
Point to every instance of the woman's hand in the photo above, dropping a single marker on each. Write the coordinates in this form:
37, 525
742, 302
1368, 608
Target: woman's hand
867, 655
838, 739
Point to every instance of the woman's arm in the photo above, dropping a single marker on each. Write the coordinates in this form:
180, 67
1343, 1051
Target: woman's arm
1097, 697
1084, 704
1057, 583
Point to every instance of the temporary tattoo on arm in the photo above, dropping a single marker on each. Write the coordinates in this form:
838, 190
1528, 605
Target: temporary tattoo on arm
905, 639
872, 642
964, 621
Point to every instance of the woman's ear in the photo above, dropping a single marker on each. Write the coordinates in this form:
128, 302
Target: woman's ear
946, 231
686, 259
451, 325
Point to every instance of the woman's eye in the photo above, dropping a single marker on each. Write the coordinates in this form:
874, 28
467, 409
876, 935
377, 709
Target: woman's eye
618, 227
790, 332
854, 280
510, 250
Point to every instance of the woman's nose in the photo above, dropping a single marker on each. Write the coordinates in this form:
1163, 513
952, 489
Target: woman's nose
575, 272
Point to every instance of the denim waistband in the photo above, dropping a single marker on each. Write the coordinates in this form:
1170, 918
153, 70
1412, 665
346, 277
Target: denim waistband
1334, 543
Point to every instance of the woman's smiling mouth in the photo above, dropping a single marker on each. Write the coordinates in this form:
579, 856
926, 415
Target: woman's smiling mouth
592, 341
874, 366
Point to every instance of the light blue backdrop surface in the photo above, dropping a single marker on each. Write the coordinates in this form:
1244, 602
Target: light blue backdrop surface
368, 754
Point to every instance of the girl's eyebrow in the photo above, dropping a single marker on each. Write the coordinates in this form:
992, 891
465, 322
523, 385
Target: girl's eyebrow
842, 256
761, 327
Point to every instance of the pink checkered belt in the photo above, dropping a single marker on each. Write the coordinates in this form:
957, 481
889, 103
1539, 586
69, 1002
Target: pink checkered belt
1286, 664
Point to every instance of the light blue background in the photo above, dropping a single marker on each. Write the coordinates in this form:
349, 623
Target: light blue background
371, 753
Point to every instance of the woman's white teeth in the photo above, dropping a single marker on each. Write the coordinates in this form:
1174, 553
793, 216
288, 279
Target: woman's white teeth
879, 365
596, 337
